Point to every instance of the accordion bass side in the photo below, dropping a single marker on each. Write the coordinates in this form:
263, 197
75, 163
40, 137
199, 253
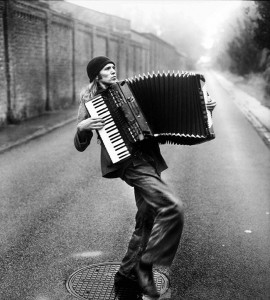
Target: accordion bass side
169, 107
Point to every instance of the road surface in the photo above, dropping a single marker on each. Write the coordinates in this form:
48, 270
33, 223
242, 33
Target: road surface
58, 214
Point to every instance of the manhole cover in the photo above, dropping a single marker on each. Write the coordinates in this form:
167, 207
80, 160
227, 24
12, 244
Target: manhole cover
97, 282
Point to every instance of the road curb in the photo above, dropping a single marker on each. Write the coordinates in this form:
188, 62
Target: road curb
260, 128
246, 109
38, 133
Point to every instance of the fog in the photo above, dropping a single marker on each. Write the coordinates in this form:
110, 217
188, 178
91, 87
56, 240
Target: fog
193, 27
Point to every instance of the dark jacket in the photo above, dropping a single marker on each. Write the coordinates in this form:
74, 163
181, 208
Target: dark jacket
148, 149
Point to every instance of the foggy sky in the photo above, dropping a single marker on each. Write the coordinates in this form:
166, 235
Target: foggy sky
190, 26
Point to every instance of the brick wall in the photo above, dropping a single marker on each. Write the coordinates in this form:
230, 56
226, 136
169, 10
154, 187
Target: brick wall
61, 63
45, 48
27, 51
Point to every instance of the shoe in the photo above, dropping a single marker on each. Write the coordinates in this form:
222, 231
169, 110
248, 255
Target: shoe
146, 281
123, 283
127, 281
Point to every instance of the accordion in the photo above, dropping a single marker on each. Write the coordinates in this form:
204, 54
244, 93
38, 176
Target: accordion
170, 107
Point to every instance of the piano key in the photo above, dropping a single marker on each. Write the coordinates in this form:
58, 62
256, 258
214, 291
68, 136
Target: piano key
113, 133
108, 123
121, 150
95, 101
115, 144
116, 139
99, 104
102, 110
98, 97
119, 146
105, 114
106, 118
110, 127
124, 154
98, 101
116, 148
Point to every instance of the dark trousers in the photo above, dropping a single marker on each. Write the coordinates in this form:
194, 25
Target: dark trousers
159, 219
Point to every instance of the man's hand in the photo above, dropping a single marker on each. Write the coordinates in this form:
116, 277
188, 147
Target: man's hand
91, 124
210, 104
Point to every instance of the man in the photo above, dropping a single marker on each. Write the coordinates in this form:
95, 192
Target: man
159, 219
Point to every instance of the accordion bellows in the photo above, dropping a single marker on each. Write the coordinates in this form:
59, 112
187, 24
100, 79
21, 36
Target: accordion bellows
174, 105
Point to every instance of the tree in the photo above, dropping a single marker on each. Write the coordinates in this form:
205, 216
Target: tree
262, 32
242, 49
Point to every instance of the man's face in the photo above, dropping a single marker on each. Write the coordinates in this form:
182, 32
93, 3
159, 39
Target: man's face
107, 75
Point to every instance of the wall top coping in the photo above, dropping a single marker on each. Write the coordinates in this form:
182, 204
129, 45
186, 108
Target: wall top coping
114, 23
24, 6
137, 37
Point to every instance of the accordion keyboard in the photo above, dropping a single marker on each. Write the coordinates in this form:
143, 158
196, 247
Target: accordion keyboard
109, 134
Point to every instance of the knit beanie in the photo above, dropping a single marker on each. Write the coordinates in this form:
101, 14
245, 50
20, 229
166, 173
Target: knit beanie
96, 65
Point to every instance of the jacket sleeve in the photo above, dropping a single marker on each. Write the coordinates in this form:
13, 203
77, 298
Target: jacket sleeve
82, 139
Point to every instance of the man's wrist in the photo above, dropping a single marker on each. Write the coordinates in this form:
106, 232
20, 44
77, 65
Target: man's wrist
80, 129
83, 134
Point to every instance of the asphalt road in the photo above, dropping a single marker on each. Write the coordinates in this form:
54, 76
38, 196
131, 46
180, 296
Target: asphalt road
58, 214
